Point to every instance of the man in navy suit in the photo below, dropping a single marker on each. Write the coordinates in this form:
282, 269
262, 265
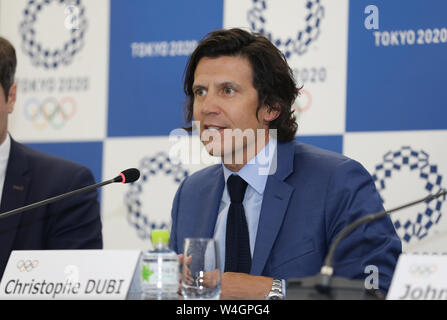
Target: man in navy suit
295, 199
28, 176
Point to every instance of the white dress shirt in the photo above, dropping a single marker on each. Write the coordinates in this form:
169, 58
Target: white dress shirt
255, 173
4, 156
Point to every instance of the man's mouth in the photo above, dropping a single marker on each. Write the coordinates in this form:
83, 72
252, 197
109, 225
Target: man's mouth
214, 127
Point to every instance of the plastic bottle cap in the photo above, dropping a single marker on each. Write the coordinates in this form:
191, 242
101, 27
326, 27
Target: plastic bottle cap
160, 236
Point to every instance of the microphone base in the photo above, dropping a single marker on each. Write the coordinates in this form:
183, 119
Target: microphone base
315, 288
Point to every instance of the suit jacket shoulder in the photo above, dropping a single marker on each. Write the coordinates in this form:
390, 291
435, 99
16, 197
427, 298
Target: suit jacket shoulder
45, 164
202, 177
308, 155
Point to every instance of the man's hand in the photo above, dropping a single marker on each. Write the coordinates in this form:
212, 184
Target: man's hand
186, 271
244, 286
180, 277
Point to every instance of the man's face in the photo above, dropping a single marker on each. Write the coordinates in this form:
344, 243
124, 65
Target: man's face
225, 99
6, 107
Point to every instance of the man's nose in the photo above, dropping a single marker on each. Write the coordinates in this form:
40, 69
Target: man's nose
211, 104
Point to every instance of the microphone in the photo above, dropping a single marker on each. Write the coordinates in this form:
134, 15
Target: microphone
126, 176
322, 281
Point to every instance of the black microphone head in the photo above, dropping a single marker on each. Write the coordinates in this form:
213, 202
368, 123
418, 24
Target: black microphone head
128, 176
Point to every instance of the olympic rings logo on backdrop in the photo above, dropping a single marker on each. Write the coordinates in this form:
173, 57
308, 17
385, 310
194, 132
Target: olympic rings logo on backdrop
27, 265
50, 112
44, 54
149, 167
422, 270
417, 226
302, 103
314, 13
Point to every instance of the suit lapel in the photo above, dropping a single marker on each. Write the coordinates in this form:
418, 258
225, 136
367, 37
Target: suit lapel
14, 195
277, 194
213, 194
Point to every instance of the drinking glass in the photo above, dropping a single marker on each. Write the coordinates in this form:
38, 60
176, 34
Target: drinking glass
200, 269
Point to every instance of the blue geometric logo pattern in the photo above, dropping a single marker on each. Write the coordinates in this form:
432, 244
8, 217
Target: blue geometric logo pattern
393, 162
42, 55
149, 167
304, 37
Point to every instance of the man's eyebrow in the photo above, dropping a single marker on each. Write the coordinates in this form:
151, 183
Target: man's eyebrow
219, 84
229, 84
197, 86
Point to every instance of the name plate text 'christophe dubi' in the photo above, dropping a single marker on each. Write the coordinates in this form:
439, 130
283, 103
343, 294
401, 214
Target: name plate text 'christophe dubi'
69, 274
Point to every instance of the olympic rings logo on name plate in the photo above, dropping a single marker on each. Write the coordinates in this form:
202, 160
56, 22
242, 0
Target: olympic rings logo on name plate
422, 270
50, 112
27, 265
304, 37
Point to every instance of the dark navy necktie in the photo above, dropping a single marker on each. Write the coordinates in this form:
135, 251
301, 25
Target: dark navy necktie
237, 242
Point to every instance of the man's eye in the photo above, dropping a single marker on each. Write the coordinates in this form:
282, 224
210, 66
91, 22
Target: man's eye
229, 91
199, 92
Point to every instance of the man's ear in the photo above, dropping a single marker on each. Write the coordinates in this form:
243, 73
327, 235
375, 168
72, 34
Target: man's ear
12, 96
271, 112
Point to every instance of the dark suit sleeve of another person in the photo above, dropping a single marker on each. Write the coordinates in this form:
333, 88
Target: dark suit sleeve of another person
75, 222
351, 194
70, 223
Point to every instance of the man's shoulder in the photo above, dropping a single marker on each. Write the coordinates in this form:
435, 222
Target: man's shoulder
205, 174
309, 157
304, 151
38, 160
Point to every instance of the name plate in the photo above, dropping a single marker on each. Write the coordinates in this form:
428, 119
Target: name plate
70, 274
419, 277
